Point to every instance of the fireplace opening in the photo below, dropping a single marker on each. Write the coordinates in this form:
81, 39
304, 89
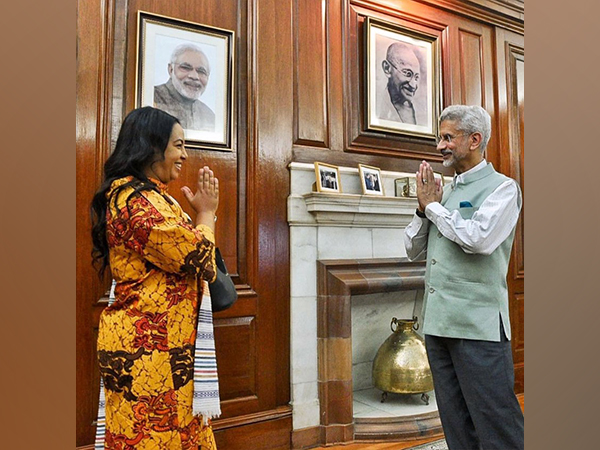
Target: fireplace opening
371, 326
356, 302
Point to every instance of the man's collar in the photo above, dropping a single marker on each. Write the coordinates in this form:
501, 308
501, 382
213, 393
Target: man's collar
460, 178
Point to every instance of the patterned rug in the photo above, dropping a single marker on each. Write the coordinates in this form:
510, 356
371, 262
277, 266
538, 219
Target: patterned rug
435, 445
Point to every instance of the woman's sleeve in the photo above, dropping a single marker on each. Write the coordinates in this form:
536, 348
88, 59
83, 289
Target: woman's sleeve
160, 233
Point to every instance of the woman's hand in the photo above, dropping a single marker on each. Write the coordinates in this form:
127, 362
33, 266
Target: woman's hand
205, 200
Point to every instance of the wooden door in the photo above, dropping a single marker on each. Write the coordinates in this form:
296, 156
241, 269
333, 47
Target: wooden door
510, 52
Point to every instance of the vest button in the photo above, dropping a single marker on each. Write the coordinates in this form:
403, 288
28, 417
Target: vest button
440, 234
431, 290
433, 261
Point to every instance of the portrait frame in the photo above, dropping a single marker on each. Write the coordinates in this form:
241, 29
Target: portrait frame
157, 37
407, 186
322, 170
381, 114
370, 180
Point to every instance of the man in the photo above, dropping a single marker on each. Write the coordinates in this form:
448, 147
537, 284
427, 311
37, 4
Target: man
402, 69
189, 71
466, 234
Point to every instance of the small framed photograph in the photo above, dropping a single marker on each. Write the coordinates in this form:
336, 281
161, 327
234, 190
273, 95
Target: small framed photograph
403, 80
407, 186
370, 179
328, 177
186, 69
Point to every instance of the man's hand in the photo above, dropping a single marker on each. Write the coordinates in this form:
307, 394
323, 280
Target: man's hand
429, 188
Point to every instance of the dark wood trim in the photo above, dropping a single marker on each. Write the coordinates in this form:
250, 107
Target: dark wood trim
306, 438
398, 428
503, 13
248, 419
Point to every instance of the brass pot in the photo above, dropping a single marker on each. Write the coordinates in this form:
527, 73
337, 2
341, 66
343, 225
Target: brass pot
401, 364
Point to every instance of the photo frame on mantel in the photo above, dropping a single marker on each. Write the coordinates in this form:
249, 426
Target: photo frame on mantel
328, 177
370, 180
403, 80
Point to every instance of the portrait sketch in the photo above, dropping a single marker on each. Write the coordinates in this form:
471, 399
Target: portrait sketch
402, 78
370, 178
328, 177
186, 70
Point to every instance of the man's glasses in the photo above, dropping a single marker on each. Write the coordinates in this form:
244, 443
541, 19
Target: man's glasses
447, 138
185, 67
406, 72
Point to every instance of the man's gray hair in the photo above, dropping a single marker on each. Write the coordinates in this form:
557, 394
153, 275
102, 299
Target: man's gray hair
187, 47
470, 119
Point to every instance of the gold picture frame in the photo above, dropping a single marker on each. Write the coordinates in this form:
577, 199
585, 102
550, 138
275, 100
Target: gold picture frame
328, 177
370, 180
407, 186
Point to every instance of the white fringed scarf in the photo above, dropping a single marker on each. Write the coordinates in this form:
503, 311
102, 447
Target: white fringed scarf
206, 381
206, 401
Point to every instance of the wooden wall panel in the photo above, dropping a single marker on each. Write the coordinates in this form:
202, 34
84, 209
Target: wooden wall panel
273, 135
239, 371
517, 312
471, 67
90, 76
510, 51
470, 60
310, 73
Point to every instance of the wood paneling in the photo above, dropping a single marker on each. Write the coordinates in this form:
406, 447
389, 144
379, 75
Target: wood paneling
310, 72
471, 68
90, 75
511, 125
252, 337
299, 96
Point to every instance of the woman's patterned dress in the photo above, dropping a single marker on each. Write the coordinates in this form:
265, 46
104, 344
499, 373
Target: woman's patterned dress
146, 337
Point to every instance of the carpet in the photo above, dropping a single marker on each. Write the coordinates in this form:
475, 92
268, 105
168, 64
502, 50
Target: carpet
435, 445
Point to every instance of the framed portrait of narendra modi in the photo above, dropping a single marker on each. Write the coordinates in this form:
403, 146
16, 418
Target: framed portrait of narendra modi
403, 80
186, 69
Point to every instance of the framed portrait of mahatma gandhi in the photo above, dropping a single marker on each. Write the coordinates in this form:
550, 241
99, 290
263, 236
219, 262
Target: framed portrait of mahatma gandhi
403, 80
186, 69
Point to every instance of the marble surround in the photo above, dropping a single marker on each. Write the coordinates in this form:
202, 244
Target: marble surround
332, 226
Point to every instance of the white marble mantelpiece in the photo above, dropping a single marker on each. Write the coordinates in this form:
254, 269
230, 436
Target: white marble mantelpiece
324, 226
350, 208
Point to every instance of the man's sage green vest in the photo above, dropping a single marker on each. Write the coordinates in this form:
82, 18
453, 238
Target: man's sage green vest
466, 294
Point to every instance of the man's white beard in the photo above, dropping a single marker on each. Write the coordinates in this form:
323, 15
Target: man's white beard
183, 90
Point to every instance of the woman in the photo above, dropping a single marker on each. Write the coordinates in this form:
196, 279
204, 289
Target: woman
162, 262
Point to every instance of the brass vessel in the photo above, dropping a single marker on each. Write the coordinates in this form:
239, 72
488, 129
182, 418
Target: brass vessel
400, 365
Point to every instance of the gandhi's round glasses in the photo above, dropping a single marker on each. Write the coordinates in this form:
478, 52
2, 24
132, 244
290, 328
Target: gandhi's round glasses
187, 68
447, 138
406, 72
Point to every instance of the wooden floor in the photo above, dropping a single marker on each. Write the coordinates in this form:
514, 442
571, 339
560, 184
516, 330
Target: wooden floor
395, 445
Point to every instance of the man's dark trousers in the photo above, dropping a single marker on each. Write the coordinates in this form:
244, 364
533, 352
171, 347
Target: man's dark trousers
474, 389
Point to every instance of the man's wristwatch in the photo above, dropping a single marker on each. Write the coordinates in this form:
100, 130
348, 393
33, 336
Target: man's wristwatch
421, 214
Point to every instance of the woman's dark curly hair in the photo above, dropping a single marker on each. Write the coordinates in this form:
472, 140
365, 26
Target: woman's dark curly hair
142, 140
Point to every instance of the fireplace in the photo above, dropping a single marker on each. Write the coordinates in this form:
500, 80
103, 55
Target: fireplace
343, 247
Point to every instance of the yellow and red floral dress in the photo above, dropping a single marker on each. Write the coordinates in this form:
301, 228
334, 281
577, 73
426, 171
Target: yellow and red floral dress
146, 336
